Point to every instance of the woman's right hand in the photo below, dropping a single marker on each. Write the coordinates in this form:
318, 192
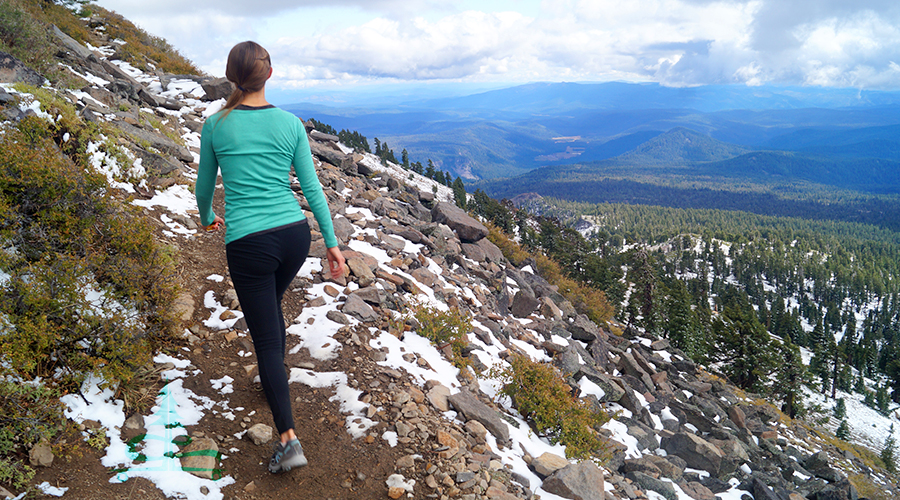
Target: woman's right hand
217, 223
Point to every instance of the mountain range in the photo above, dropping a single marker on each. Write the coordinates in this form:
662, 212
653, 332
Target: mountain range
511, 131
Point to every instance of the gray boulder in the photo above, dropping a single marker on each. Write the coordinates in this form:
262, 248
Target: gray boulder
523, 304
70, 44
343, 228
583, 329
13, 70
581, 481
472, 409
548, 463
358, 308
219, 88
651, 483
370, 294
697, 453
156, 164
613, 392
468, 229
158, 141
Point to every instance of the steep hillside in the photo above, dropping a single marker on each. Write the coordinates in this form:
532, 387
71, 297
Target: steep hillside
443, 365
680, 146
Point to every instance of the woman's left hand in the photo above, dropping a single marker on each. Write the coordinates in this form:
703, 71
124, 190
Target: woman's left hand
335, 262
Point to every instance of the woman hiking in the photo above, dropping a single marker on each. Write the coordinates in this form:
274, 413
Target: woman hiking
255, 144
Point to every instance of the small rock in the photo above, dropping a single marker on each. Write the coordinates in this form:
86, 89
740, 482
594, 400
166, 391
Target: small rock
476, 429
406, 462
134, 422
357, 308
581, 480
697, 491
445, 439
41, 455
417, 395
4, 493
464, 476
337, 317
548, 463
251, 487
260, 434
403, 429
438, 397
184, 306
200, 458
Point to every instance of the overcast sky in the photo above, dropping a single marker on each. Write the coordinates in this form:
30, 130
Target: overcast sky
839, 43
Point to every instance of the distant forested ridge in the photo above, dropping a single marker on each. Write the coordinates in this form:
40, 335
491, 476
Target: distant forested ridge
508, 132
684, 169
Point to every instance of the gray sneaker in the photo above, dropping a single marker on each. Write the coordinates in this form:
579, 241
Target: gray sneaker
286, 457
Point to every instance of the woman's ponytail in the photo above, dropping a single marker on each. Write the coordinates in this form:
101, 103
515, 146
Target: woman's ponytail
248, 69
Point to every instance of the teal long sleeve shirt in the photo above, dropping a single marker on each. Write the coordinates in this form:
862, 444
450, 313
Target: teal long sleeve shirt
255, 149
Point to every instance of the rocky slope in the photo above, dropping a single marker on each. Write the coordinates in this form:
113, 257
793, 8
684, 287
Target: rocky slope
417, 426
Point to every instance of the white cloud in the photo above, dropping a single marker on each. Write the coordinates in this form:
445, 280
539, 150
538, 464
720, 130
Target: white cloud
675, 42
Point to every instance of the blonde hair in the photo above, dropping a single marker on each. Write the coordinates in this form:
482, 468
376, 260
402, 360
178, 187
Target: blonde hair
248, 69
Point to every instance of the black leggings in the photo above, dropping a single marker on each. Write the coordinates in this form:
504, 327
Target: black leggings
262, 266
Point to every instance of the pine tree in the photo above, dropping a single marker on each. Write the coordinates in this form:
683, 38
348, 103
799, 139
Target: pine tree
888, 453
644, 277
790, 377
843, 431
840, 409
742, 343
459, 193
882, 400
404, 157
779, 326
681, 326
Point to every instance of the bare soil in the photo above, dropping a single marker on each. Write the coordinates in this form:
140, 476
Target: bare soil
339, 466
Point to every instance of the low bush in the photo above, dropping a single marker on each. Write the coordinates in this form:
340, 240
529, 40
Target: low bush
448, 327
542, 396
87, 285
84, 286
23, 36
29, 414
585, 299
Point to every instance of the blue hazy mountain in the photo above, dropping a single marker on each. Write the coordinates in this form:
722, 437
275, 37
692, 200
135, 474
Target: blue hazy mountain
510, 131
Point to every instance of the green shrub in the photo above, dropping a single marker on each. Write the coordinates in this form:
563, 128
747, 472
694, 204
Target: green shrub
29, 414
542, 396
23, 36
70, 235
444, 328
15, 473
585, 299
843, 431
